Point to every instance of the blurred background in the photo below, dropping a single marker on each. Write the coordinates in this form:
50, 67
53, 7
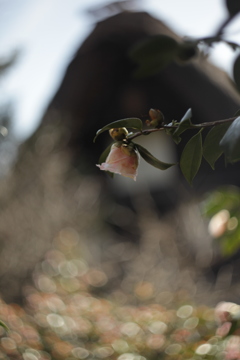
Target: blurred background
47, 34
65, 72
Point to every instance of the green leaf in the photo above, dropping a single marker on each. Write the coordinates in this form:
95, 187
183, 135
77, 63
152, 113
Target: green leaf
133, 123
148, 157
236, 72
185, 123
191, 157
230, 142
4, 325
170, 132
153, 54
211, 148
176, 139
233, 7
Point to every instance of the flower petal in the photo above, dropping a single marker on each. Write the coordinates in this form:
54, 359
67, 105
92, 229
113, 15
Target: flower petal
122, 160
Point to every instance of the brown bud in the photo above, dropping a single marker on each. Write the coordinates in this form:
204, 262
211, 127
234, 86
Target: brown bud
156, 117
118, 134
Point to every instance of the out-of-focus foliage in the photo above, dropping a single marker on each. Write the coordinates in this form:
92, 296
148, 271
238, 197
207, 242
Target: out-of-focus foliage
153, 54
64, 319
222, 207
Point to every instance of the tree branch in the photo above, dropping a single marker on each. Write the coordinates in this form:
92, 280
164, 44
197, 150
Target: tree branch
175, 126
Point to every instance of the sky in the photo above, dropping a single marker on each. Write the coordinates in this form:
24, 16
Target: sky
47, 33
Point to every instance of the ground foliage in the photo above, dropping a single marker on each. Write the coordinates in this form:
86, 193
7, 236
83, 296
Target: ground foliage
64, 318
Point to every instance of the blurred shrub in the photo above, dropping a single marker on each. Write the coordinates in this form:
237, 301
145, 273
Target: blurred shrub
222, 208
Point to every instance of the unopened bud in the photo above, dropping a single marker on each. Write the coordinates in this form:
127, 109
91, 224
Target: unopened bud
118, 134
156, 117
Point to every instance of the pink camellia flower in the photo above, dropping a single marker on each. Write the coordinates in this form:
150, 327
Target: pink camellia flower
123, 160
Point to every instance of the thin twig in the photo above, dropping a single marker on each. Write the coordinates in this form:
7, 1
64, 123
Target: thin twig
175, 126
225, 23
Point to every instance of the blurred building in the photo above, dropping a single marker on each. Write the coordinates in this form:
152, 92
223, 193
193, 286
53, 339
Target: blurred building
55, 183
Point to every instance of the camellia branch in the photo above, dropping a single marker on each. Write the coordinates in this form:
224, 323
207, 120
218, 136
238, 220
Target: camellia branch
175, 126
122, 157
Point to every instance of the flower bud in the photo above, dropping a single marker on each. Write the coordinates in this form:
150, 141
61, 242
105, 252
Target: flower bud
156, 117
123, 159
118, 134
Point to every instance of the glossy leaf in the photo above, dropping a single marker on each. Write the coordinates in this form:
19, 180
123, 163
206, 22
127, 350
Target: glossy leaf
148, 157
236, 72
233, 6
230, 142
170, 132
184, 124
211, 148
153, 54
191, 157
133, 123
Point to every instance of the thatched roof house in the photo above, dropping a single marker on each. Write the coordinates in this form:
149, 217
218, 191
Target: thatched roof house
45, 192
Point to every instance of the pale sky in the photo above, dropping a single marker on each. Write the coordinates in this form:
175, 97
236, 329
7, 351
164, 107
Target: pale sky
48, 32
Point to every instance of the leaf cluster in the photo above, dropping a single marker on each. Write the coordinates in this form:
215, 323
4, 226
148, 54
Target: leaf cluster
156, 52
